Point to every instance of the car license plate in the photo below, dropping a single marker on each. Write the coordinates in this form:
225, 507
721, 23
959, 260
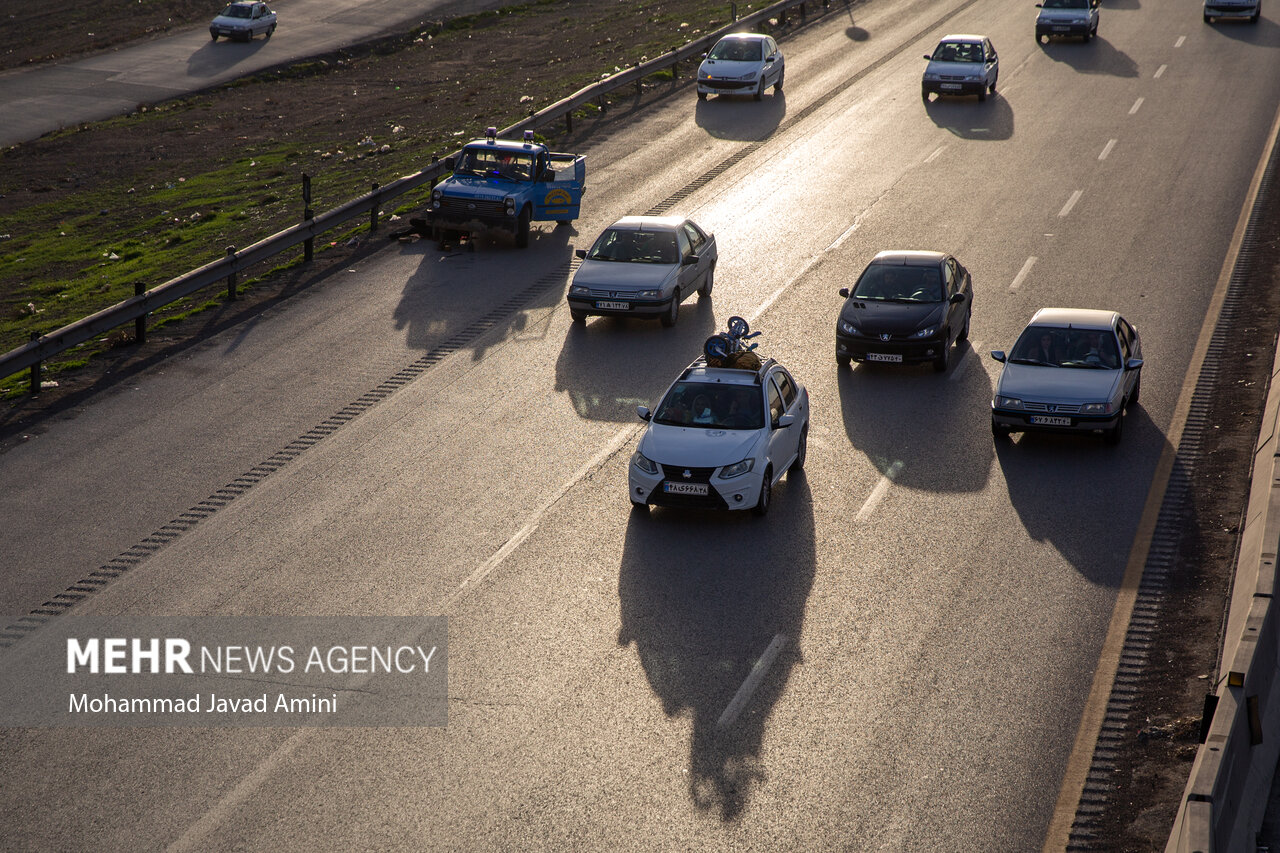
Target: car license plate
1045, 420
685, 488
1061, 29
884, 356
614, 306
950, 86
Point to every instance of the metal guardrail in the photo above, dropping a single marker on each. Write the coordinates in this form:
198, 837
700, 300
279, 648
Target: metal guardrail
136, 308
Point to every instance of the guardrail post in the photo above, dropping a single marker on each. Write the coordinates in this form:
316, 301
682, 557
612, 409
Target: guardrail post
804, 12
435, 161
782, 17
140, 324
373, 214
568, 122
35, 370
308, 247
231, 279
733, 11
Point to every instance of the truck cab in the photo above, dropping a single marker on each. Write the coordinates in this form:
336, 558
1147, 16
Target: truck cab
505, 184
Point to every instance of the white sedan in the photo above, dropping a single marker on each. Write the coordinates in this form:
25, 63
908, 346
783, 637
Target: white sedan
721, 439
961, 65
242, 21
742, 64
1071, 370
643, 266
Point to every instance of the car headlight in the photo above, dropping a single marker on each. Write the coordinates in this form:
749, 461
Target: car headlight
926, 332
1095, 409
932, 77
848, 328
750, 76
644, 463
973, 78
1008, 402
436, 195
737, 469
510, 204
579, 290
649, 294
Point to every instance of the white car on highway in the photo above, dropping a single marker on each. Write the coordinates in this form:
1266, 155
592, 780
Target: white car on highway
242, 21
961, 65
721, 439
742, 64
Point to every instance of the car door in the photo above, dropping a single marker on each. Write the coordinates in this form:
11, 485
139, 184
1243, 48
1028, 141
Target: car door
782, 440
772, 69
1128, 349
991, 63
688, 274
698, 245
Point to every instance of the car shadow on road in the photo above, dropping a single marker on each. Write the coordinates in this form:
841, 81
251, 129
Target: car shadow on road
937, 452
1098, 56
222, 55
703, 596
741, 117
1082, 496
969, 118
1264, 33
608, 365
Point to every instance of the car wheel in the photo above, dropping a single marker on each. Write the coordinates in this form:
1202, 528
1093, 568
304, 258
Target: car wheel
766, 493
702, 96
1113, 435
982, 96
759, 95
777, 87
1137, 390
944, 358
270, 30
214, 36
802, 451
1253, 19
1087, 35
579, 317
708, 283
993, 84
673, 313
639, 508
843, 360
999, 432
522, 229
924, 95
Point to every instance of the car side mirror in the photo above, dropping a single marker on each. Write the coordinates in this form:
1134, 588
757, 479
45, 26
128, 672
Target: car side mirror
689, 260
449, 163
928, 57
844, 292
1133, 364
582, 253
771, 59
956, 298
644, 413
998, 355
784, 421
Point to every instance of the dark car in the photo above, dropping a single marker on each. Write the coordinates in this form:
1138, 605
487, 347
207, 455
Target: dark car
907, 307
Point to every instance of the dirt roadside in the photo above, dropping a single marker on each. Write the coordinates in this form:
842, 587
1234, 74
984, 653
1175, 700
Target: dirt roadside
1153, 766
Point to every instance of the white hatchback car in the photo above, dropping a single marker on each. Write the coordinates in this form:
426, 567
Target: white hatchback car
961, 65
242, 21
1071, 370
720, 439
742, 64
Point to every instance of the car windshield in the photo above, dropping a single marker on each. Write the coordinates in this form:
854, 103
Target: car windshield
1066, 4
494, 163
237, 12
897, 283
955, 51
712, 405
637, 247
736, 50
1052, 346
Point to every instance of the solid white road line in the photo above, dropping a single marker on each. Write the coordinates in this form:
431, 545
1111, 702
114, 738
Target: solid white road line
1071, 202
1022, 274
752, 682
1136, 104
1106, 149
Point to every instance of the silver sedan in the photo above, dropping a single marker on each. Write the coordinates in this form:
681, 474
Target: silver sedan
1071, 370
643, 266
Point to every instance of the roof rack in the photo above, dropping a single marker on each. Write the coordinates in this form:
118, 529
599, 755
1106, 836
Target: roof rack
700, 363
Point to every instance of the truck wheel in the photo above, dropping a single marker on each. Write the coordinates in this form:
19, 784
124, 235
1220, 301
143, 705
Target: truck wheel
673, 313
522, 229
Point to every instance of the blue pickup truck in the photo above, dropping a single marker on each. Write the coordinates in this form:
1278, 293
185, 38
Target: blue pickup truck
505, 184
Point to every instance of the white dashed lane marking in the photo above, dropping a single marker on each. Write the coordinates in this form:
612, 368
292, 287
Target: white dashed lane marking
1071, 202
1022, 274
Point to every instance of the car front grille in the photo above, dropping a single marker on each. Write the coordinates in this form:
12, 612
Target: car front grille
471, 207
675, 473
1052, 408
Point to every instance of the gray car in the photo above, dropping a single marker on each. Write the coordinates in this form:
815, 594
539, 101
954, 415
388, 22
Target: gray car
961, 65
1215, 9
1071, 370
242, 21
643, 266
1067, 18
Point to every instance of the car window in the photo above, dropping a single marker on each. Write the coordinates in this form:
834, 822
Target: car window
236, 12
1042, 345
683, 238
494, 163
775, 403
1126, 339
639, 247
955, 51
949, 276
991, 52
712, 405
786, 386
773, 47
897, 283
695, 236
736, 50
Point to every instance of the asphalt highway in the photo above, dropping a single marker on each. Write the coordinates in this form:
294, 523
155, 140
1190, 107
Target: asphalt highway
896, 658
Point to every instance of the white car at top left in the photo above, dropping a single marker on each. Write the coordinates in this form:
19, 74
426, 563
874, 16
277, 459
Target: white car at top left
242, 21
